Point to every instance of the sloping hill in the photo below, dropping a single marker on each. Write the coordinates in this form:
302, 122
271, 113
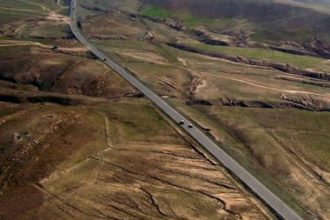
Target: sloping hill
268, 20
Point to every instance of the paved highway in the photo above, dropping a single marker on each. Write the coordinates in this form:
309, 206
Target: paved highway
277, 205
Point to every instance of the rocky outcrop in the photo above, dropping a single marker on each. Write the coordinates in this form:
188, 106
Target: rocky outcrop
174, 24
292, 50
212, 39
308, 102
177, 25
319, 47
228, 101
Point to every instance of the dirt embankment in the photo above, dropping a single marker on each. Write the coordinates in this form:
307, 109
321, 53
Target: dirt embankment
61, 100
289, 101
319, 48
310, 103
191, 91
307, 102
295, 50
289, 98
240, 39
239, 59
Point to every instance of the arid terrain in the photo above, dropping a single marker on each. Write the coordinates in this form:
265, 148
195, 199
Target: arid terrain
78, 142
265, 101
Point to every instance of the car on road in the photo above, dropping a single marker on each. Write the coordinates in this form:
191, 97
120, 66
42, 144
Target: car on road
181, 122
190, 126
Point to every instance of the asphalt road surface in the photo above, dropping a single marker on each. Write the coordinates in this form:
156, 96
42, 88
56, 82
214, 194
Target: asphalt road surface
277, 205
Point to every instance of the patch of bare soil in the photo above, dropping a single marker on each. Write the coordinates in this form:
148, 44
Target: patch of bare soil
146, 181
324, 95
148, 57
30, 152
194, 88
67, 165
65, 48
53, 16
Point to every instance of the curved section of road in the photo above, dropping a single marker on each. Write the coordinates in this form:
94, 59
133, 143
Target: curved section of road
277, 205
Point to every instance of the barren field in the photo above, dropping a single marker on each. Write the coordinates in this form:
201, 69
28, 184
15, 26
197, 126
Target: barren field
78, 142
274, 120
106, 161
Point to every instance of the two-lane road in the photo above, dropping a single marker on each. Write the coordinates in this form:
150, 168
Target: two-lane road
277, 205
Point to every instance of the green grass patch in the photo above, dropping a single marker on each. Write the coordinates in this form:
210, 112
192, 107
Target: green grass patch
191, 21
188, 19
299, 61
156, 12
